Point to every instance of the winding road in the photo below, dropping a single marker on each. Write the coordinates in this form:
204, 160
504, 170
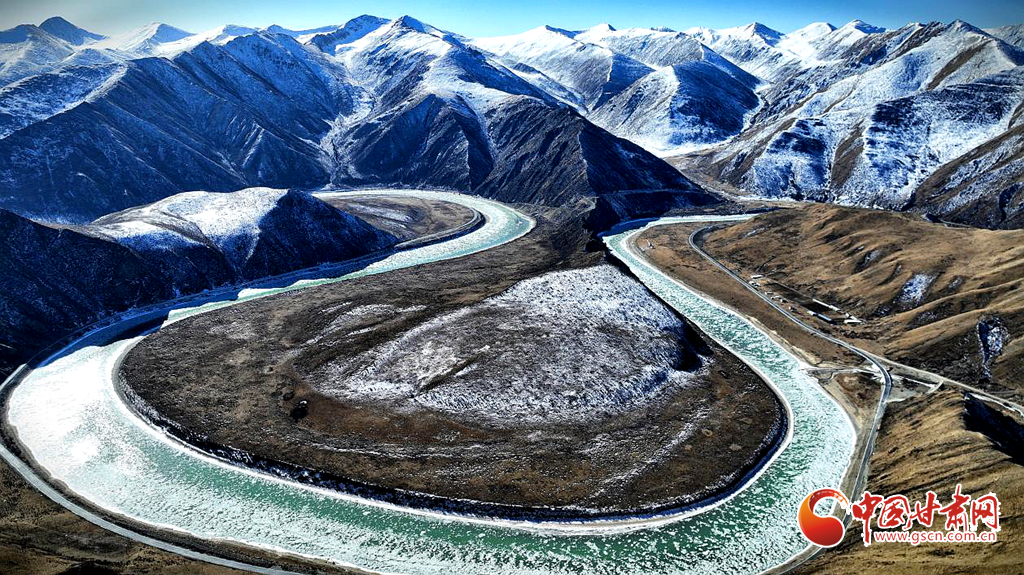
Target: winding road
883, 373
130, 477
876, 422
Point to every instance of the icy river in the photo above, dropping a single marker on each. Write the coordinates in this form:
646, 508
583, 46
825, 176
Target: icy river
68, 417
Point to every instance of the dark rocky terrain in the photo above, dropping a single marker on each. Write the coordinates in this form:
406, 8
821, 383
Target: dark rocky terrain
58, 279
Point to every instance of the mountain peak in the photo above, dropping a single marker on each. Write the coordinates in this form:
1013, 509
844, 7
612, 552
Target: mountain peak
61, 28
55, 21
410, 22
820, 27
351, 31
864, 27
559, 31
160, 32
20, 33
750, 31
276, 29
236, 30
760, 29
812, 31
603, 27
961, 26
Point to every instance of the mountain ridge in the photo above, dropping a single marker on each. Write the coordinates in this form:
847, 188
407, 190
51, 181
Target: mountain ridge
766, 113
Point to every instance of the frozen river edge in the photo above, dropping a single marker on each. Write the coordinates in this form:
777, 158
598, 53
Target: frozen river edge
279, 515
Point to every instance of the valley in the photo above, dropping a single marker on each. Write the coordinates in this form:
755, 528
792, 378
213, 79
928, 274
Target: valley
742, 498
937, 298
390, 296
815, 250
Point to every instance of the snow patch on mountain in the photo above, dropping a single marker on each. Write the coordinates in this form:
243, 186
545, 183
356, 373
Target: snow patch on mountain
1013, 35
219, 36
234, 225
679, 109
801, 42
330, 42
26, 50
302, 36
914, 291
148, 40
231, 221
39, 97
593, 73
992, 339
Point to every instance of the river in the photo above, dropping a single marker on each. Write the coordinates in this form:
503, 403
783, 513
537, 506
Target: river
68, 416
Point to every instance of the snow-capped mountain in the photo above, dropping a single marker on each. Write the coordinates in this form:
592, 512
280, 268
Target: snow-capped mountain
1010, 34
855, 114
61, 28
390, 102
148, 40
661, 89
753, 47
442, 113
27, 50
329, 41
56, 44
214, 117
254, 232
60, 278
881, 113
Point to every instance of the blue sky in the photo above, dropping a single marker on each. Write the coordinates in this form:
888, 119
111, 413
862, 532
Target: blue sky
482, 18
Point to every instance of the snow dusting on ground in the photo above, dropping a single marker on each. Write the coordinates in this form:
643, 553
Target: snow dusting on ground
581, 322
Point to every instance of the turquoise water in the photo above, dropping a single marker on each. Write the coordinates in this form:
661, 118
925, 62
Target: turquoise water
69, 417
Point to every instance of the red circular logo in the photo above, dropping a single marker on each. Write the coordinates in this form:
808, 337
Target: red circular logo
825, 531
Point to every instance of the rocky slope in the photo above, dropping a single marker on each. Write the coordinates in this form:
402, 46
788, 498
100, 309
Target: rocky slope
1013, 34
60, 278
941, 298
26, 50
921, 117
209, 119
898, 119
658, 88
932, 442
372, 102
443, 114
241, 235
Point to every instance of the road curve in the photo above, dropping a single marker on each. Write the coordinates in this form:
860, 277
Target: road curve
882, 372
877, 362
869, 446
